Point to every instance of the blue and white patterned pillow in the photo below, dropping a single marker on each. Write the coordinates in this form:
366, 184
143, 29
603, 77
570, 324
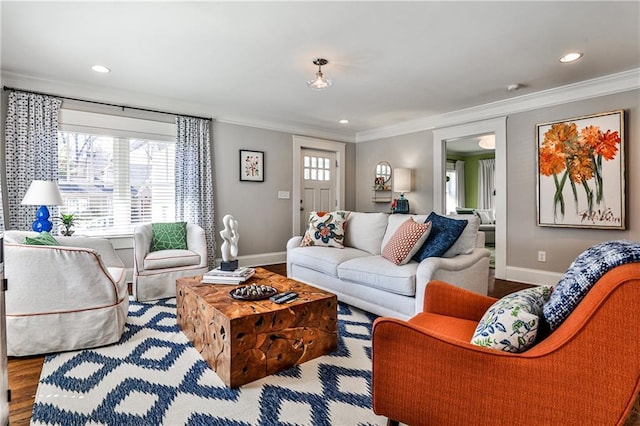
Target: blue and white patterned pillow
583, 273
511, 324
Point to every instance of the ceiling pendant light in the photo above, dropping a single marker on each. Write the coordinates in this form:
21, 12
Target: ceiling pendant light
319, 83
487, 142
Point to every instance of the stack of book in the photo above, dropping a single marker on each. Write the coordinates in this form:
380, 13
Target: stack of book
218, 276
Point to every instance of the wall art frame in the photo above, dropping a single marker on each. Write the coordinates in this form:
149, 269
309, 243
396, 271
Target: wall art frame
580, 172
251, 165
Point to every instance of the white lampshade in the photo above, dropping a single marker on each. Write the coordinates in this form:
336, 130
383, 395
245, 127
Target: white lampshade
42, 193
402, 180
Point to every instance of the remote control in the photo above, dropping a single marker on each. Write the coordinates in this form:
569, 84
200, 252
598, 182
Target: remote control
284, 297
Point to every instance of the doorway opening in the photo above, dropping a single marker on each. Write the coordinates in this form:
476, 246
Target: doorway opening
449, 135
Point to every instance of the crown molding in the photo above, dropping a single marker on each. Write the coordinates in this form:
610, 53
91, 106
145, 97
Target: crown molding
611, 84
607, 85
292, 129
101, 94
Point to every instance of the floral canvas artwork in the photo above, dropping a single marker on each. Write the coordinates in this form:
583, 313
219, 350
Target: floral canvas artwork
252, 166
580, 172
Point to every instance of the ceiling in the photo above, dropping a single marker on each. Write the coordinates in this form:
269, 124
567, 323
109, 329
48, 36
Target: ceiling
248, 62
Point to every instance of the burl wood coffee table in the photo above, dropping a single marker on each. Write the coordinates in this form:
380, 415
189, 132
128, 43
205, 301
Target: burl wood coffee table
246, 340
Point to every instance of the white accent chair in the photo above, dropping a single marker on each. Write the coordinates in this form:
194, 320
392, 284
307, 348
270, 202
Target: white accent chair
65, 297
155, 272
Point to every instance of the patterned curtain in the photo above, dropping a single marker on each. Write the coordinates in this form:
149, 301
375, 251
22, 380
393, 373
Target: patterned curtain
31, 144
194, 178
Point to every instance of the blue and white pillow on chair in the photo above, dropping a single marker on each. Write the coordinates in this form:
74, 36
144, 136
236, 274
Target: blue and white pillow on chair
583, 273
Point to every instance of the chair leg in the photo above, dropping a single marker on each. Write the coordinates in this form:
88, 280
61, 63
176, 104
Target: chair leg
391, 422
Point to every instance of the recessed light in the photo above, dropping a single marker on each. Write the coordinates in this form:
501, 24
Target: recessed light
570, 57
344, 121
100, 68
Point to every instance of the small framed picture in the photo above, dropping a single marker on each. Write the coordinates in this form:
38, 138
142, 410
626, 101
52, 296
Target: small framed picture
251, 166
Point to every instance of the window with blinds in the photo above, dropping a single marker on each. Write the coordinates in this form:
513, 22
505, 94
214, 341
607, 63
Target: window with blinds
114, 178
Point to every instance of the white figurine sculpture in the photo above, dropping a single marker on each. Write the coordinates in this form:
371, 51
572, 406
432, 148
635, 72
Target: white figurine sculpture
230, 236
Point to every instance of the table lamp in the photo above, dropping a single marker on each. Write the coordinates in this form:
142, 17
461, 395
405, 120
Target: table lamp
402, 184
42, 193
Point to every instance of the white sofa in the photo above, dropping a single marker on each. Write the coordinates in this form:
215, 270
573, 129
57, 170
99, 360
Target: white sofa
65, 297
361, 277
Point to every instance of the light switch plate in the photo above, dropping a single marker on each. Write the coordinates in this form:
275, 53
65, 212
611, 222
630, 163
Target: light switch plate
284, 195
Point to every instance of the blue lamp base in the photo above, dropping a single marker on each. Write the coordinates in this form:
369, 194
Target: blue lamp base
402, 205
42, 222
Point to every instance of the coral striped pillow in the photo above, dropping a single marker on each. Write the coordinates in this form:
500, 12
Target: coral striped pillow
406, 241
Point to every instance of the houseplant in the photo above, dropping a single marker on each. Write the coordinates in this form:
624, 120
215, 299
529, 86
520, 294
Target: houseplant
67, 222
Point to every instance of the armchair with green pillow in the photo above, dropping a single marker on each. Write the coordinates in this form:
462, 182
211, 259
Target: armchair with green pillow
164, 252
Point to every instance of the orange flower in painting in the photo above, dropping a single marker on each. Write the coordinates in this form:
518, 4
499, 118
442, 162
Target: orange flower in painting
552, 152
608, 145
551, 161
581, 168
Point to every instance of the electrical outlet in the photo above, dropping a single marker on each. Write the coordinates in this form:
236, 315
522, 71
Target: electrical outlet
542, 256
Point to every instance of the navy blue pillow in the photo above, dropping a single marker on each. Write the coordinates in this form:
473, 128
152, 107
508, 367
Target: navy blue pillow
444, 232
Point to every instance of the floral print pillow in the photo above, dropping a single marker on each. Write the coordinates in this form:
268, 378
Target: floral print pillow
511, 324
325, 229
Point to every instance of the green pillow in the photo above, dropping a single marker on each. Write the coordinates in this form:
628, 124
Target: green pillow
43, 239
169, 236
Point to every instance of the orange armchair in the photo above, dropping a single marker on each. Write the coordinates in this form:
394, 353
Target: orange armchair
587, 371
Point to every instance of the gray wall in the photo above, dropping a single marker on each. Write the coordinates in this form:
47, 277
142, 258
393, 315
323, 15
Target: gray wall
412, 151
265, 222
524, 237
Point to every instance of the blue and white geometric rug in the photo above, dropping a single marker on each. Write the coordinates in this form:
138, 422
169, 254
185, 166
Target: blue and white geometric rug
153, 376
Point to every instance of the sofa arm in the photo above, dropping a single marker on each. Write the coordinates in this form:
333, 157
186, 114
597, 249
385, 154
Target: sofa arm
294, 242
101, 245
197, 242
447, 299
142, 237
470, 271
57, 279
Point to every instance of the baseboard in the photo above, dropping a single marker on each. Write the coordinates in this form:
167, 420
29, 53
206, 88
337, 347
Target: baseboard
261, 259
532, 276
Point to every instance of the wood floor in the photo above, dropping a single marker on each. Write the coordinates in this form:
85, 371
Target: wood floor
24, 372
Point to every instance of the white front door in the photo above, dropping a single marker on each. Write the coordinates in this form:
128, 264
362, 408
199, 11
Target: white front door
318, 183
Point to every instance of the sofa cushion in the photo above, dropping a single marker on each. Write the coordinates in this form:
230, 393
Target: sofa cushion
395, 220
444, 233
323, 259
169, 236
376, 272
511, 324
406, 241
42, 239
365, 231
171, 259
466, 242
325, 229
486, 216
582, 275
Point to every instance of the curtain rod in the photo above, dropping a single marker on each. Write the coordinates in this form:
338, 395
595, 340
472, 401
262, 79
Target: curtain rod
11, 89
